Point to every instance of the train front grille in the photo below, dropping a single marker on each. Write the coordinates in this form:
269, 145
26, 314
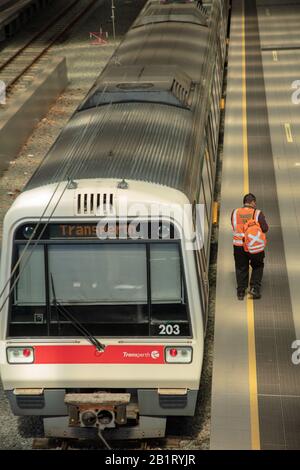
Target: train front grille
30, 402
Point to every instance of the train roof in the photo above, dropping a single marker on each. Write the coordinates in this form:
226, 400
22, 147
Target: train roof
134, 141
157, 84
138, 121
156, 12
172, 43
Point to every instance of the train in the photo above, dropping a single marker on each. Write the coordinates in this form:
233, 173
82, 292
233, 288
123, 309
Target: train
104, 275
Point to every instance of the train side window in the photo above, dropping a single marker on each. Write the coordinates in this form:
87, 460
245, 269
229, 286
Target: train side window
210, 143
209, 156
218, 91
217, 86
219, 60
221, 39
207, 188
215, 113
212, 124
209, 166
213, 103
202, 281
166, 282
216, 107
30, 288
213, 135
205, 221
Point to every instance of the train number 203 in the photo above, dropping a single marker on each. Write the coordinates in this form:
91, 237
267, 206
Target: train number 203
169, 330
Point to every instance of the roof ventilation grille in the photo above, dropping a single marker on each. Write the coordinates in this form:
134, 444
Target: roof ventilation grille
181, 92
202, 9
94, 204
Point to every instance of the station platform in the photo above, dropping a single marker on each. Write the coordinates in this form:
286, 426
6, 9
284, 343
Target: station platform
256, 386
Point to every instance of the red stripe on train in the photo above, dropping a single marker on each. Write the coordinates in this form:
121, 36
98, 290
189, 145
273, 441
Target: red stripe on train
113, 354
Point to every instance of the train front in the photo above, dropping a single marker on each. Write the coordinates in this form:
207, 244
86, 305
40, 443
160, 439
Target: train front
101, 321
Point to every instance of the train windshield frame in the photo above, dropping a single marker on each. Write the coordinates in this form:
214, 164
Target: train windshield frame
139, 291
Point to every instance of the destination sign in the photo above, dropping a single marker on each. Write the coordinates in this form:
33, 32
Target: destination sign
103, 230
100, 231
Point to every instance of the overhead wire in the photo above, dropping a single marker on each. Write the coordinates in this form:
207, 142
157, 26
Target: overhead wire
64, 171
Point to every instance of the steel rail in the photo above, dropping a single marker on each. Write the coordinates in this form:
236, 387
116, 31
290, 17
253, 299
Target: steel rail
51, 42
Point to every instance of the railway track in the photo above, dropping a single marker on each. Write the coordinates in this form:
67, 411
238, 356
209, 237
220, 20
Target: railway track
168, 443
19, 69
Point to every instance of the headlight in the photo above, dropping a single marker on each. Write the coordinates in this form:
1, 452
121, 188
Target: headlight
179, 355
20, 355
28, 231
164, 231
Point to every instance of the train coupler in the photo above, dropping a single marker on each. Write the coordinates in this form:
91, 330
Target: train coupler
97, 410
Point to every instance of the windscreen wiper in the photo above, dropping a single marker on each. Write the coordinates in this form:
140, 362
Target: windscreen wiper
79, 326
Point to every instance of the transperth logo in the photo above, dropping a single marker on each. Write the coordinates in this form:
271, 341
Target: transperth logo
138, 355
155, 354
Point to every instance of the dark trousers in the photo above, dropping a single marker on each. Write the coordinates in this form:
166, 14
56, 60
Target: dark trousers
242, 261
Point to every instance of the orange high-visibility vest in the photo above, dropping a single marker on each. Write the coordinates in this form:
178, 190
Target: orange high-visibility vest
255, 240
239, 218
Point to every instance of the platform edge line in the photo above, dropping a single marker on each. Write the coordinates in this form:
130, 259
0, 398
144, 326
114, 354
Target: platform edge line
254, 415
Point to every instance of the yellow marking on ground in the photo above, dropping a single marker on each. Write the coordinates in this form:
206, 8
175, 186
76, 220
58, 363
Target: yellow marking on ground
254, 416
215, 212
222, 103
288, 132
275, 56
244, 109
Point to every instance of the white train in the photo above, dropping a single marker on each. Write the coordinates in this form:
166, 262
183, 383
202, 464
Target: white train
102, 326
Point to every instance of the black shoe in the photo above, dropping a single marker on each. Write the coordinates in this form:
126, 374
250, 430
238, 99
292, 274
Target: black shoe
255, 292
241, 294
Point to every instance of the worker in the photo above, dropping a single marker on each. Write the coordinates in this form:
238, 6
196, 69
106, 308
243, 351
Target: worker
249, 253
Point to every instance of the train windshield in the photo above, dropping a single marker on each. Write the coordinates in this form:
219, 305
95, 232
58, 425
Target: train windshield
115, 289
